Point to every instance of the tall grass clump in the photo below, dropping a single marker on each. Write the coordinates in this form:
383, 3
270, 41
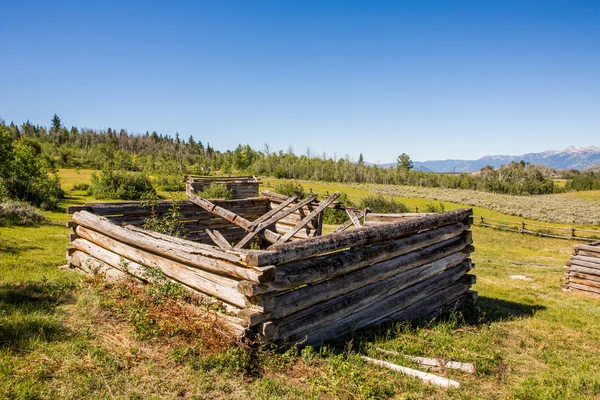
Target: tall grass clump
19, 213
332, 216
121, 185
379, 204
216, 191
290, 189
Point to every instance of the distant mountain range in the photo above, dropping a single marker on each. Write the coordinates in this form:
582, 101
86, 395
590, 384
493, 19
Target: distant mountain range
569, 158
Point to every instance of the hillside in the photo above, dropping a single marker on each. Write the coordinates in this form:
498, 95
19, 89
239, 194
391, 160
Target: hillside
593, 168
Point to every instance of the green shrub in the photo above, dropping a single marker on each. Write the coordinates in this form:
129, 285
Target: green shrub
379, 204
169, 222
434, 208
216, 191
80, 186
331, 216
19, 213
26, 173
169, 184
290, 189
121, 185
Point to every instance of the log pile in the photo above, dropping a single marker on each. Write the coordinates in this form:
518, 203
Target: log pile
311, 288
582, 272
242, 187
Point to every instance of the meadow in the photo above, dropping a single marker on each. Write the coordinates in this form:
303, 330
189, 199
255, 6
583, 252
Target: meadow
64, 336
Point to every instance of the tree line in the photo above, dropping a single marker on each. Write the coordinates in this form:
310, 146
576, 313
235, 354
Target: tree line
166, 156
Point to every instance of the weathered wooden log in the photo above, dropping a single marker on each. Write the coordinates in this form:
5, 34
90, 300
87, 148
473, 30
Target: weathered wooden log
590, 248
583, 269
587, 254
591, 260
408, 284
412, 306
232, 217
191, 255
93, 266
313, 214
578, 275
378, 217
583, 280
287, 252
303, 297
328, 266
255, 230
436, 364
135, 207
223, 288
583, 291
586, 264
232, 255
424, 376
585, 288
274, 211
218, 238
350, 222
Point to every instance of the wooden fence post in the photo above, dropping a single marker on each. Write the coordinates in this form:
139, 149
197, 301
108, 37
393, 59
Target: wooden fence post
573, 231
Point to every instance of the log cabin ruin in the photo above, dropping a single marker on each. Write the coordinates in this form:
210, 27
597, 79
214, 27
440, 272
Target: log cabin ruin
295, 284
582, 272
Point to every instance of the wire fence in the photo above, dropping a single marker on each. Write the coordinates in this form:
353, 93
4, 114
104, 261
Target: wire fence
568, 233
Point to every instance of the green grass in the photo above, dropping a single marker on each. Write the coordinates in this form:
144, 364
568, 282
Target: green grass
529, 340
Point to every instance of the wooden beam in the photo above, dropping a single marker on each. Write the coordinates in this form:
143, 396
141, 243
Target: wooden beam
308, 218
218, 239
299, 249
273, 219
191, 255
424, 376
350, 222
273, 211
231, 217
353, 218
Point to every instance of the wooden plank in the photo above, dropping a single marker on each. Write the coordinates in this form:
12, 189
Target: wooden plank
589, 247
328, 266
349, 223
353, 218
191, 255
290, 251
272, 219
218, 239
274, 211
424, 376
231, 217
432, 363
409, 284
221, 287
93, 267
322, 205
412, 303
583, 270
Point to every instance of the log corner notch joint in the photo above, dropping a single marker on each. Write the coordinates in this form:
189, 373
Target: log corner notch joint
582, 272
310, 288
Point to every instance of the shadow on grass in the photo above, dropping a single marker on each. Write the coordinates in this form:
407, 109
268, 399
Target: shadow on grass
493, 310
14, 249
28, 313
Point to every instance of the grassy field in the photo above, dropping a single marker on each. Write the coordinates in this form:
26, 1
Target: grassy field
60, 336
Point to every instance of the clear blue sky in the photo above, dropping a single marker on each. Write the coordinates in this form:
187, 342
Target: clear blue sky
434, 79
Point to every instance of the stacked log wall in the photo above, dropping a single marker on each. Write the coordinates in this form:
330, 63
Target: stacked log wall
582, 272
241, 187
309, 290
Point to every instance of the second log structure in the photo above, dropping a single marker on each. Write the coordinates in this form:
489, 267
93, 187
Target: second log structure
582, 272
310, 289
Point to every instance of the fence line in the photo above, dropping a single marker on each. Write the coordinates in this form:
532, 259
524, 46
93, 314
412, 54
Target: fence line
546, 231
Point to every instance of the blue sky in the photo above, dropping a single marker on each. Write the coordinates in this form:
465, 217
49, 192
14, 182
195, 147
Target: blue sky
434, 79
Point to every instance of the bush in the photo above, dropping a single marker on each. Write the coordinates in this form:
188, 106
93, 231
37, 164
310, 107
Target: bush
170, 184
216, 191
19, 213
434, 208
26, 174
379, 204
331, 216
121, 185
80, 186
290, 189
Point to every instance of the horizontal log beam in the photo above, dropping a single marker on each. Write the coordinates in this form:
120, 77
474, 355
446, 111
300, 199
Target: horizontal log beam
191, 255
287, 252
